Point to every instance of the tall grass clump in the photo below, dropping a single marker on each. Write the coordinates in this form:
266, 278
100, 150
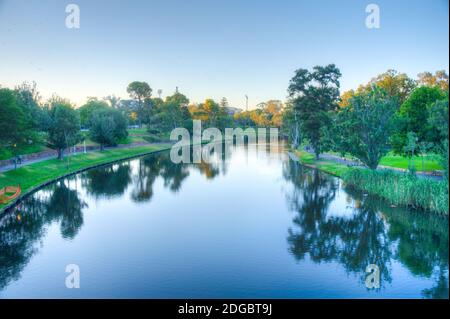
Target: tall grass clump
401, 188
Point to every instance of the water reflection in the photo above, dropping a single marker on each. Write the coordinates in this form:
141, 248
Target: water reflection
107, 182
331, 223
363, 231
22, 228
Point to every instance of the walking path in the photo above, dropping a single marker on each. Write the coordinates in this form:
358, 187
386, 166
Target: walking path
46, 155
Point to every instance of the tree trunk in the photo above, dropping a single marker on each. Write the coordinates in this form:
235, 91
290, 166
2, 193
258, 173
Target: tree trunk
60, 153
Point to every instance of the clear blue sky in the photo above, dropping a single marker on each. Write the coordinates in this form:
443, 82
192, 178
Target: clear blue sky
213, 48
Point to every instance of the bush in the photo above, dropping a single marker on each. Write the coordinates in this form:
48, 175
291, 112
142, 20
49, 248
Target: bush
401, 189
108, 127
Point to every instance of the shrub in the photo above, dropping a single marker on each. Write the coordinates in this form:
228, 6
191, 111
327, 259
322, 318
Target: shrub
107, 127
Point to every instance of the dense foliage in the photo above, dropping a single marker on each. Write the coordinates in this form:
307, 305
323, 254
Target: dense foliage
107, 127
364, 127
314, 95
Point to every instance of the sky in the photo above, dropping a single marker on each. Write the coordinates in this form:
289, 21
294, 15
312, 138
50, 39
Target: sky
213, 48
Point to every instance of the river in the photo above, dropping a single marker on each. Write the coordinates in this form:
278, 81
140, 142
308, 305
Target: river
254, 225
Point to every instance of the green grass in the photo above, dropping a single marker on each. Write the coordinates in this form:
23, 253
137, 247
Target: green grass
400, 188
327, 166
397, 188
142, 130
34, 148
139, 135
431, 162
33, 175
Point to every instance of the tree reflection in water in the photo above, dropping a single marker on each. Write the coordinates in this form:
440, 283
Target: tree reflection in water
173, 175
22, 227
366, 231
370, 232
109, 181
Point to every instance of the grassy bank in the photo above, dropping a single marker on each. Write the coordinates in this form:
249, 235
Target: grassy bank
395, 187
327, 166
33, 175
28, 149
430, 162
401, 189
134, 136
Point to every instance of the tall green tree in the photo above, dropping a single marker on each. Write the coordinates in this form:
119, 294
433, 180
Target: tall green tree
314, 94
141, 92
365, 126
64, 127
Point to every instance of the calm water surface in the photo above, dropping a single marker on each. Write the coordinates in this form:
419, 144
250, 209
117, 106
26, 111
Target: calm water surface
255, 225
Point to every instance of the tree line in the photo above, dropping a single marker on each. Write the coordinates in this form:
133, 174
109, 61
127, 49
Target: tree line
59, 125
390, 113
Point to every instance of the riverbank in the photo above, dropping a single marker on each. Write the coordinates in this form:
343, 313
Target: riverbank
396, 187
327, 166
36, 175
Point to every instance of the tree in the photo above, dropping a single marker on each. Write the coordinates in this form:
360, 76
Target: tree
345, 97
168, 117
410, 150
141, 92
413, 117
90, 107
313, 95
112, 100
290, 126
107, 127
29, 98
17, 128
439, 79
394, 83
366, 125
213, 115
64, 126
438, 122
178, 99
